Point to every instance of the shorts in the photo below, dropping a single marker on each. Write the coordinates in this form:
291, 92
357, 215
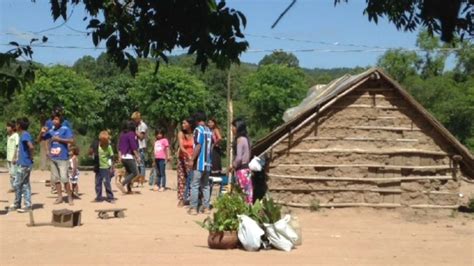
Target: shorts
74, 179
59, 169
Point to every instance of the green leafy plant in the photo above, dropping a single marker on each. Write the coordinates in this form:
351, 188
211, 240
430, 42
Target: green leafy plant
225, 217
271, 211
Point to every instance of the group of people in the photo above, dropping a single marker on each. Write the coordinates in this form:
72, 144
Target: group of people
198, 156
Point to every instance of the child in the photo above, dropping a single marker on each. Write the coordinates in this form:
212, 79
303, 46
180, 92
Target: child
161, 156
73, 170
24, 166
12, 152
103, 155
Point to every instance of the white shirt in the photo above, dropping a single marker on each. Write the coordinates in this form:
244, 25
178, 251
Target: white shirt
142, 128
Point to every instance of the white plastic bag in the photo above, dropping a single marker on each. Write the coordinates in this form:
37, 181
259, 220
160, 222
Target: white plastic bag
249, 233
255, 164
280, 234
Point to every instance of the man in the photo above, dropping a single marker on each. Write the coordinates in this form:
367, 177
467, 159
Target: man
24, 166
12, 152
141, 132
58, 110
201, 164
60, 136
44, 145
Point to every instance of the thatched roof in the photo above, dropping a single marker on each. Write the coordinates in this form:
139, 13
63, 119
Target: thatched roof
326, 97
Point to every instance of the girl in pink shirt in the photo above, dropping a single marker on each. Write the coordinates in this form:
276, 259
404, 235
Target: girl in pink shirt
162, 154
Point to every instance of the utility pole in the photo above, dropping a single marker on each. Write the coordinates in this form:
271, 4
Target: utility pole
230, 113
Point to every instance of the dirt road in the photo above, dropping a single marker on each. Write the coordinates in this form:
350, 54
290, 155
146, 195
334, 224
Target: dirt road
156, 231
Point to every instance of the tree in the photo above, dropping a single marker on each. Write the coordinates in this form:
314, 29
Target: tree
451, 102
269, 92
211, 31
61, 86
96, 69
14, 73
280, 58
116, 102
445, 17
465, 61
434, 60
400, 64
168, 98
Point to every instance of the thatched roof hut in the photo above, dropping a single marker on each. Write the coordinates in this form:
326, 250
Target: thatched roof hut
364, 141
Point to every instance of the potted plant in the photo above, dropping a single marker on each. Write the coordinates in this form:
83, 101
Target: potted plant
223, 224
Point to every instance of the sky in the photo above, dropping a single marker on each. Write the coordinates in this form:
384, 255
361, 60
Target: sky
338, 36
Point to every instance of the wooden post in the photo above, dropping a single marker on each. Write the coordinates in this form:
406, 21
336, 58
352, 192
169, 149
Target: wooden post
230, 111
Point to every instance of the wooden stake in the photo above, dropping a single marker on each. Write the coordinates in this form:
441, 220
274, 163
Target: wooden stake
230, 114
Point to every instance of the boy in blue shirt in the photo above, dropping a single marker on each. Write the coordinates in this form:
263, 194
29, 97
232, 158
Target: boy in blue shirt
24, 166
61, 136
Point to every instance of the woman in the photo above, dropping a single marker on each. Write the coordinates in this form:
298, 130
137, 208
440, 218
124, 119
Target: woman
128, 154
186, 143
216, 149
240, 165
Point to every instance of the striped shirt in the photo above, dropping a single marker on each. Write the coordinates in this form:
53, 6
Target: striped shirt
203, 136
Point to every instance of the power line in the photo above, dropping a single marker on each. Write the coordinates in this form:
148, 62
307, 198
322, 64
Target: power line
80, 31
316, 50
315, 42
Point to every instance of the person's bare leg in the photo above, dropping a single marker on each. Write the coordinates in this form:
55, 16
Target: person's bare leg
69, 193
60, 193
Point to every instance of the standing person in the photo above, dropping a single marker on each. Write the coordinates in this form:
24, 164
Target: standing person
185, 152
128, 154
73, 170
24, 166
162, 155
60, 137
46, 144
216, 148
103, 154
200, 162
141, 131
58, 110
13, 141
240, 165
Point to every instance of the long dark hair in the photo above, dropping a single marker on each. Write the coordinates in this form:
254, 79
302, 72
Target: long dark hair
241, 127
190, 121
216, 126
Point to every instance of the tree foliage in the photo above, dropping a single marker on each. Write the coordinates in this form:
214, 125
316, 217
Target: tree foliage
270, 91
151, 28
170, 97
439, 16
15, 74
117, 105
280, 58
97, 69
448, 95
451, 102
61, 86
400, 64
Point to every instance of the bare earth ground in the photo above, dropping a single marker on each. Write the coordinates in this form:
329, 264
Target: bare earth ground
155, 231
